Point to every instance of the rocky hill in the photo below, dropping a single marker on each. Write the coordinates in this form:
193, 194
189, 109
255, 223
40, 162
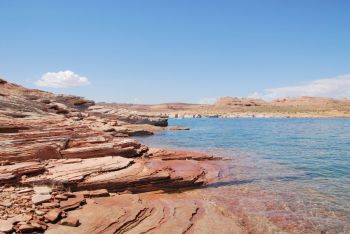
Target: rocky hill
234, 102
316, 102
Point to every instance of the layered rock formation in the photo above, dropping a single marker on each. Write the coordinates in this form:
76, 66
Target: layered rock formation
69, 166
58, 153
150, 213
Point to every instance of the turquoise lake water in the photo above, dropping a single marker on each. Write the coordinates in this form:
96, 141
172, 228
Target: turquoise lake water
308, 159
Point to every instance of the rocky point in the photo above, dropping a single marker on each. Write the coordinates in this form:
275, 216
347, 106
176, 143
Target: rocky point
67, 165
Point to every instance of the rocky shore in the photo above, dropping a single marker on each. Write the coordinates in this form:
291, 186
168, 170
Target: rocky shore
67, 165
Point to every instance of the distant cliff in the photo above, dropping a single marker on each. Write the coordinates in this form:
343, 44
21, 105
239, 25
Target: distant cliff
232, 107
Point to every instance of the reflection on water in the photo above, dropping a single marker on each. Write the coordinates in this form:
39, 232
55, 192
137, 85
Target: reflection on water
293, 172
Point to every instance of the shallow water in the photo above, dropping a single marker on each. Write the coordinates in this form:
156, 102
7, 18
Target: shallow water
303, 164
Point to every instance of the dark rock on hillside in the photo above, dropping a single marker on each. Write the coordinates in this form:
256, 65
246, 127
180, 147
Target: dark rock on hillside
74, 101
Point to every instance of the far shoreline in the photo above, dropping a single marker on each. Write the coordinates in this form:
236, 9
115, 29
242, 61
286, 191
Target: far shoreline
232, 107
271, 117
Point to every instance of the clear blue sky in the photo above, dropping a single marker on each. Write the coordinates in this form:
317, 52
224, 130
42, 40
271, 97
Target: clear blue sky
185, 50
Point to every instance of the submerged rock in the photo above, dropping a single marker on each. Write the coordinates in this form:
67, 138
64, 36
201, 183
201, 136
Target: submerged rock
178, 128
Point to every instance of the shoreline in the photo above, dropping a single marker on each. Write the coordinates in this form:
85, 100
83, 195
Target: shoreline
270, 117
244, 107
267, 117
281, 202
60, 159
67, 165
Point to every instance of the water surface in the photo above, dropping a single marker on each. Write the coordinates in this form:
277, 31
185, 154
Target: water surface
304, 162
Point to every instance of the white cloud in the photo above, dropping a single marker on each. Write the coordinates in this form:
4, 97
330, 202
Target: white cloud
336, 87
62, 79
207, 100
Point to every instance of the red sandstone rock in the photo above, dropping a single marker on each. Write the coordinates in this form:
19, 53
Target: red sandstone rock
89, 152
12, 173
24, 228
155, 213
178, 128
26, 190
55, 142
38, 225
121, 148
46, 139
69, 194
30, 149
99, 193
87, 141
72, 203
70, 173
53, 215
90, 201
40, 212
84, 193
38, 198
119, 174
179, 155
61, 197
43, 190
70, 221
6, 225
49, 205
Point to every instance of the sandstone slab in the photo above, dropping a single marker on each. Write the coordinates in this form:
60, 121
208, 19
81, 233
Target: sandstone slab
72, 203
12, 173
38, 198
179, 155
99, 193
153, 213
53, 215
70, 221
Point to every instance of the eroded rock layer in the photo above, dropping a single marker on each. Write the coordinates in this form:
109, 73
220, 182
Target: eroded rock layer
59, 153
150, 213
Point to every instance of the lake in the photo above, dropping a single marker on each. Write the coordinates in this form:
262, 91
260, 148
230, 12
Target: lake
303, 161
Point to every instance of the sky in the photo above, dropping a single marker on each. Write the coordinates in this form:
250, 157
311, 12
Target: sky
156, 51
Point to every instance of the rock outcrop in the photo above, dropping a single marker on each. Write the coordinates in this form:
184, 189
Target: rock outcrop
119, 174
59, 153
178, 128
128, 116
15, 98
150, 213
